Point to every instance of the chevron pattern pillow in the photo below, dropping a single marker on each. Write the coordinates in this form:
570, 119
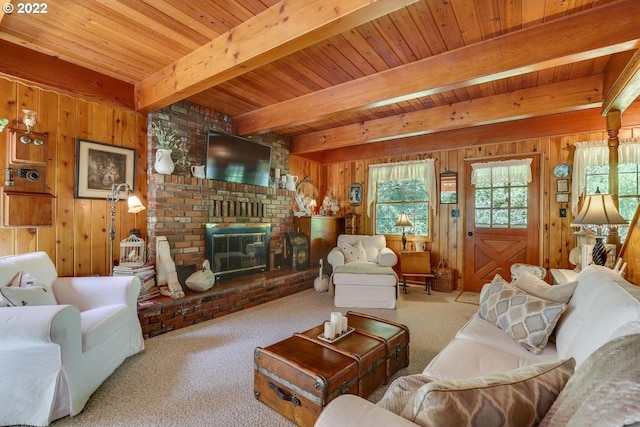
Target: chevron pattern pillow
518, 398
526, 318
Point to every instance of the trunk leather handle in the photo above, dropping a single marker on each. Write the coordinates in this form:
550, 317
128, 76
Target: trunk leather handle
284, 395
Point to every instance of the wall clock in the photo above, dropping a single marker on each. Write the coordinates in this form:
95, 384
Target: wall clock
562, 170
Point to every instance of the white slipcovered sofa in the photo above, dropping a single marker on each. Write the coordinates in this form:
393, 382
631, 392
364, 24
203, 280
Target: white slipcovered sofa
587, 376
53, 357
362, 272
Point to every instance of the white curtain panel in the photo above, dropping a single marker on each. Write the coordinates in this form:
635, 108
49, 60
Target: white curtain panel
501, 172
413, 169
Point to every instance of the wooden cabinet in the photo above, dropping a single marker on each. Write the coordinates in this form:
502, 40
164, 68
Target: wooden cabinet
322, 232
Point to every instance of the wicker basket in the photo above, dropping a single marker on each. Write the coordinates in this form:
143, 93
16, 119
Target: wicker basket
445, 280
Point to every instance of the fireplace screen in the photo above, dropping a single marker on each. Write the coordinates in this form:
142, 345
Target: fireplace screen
237, 249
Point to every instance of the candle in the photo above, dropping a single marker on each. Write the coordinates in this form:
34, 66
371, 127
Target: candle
344, 324
329, 331
336, 319
277, 173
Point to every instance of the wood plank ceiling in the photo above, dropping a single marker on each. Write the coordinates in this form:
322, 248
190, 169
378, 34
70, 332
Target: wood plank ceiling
335, 73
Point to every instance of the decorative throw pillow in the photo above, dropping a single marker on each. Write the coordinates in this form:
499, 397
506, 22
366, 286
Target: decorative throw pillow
354, 252
23, 290
532, 285
496, 279
400, 392
526, 318
518, 398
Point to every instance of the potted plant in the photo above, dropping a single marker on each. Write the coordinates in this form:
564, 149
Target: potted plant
167, 139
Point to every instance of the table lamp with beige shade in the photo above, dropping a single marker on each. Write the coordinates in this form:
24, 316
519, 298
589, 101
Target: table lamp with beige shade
597, 211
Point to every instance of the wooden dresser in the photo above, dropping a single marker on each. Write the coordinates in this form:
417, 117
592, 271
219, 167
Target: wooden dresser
322, 232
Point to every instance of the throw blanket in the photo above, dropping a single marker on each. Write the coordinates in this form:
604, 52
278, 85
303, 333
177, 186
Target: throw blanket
362, 268
603, 391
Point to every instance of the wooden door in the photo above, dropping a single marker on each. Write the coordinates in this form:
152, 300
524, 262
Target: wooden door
502, 226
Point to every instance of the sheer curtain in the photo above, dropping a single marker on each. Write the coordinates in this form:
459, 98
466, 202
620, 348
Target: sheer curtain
414, 169
501, 172
596, 153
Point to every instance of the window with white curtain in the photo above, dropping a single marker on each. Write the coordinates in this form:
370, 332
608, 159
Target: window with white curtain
591, 173
501, 193
401, 187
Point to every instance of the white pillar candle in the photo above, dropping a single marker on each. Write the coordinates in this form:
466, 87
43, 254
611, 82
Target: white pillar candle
329, 331
277, 173
344, 324
336, 319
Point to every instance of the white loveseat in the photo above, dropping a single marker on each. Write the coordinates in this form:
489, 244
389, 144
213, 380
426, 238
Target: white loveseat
53, 357
362, 272
599, 330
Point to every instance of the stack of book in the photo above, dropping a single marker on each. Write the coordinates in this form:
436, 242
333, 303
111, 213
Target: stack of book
147, 275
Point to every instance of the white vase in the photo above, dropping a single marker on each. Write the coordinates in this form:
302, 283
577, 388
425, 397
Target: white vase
164, 162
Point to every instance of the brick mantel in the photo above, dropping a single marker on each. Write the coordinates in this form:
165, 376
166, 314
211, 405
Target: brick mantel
180, 206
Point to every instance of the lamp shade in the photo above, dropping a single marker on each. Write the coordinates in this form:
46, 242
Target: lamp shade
403, 221
598, 209
135, 205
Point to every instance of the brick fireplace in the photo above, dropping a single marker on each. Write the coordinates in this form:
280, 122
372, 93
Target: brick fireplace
179, 207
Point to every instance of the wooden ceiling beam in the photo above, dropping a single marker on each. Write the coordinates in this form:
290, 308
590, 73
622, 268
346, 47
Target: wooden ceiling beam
575, 122
578, 37
538, 101
57, 75
621, 81
282, 29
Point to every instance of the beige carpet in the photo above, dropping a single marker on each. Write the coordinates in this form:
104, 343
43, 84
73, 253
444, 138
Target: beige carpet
203, 375
469, 297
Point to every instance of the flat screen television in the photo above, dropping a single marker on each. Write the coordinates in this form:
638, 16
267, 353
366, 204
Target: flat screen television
234, 159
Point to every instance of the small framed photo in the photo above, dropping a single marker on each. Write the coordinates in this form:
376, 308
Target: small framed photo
562, 185
562, 198
98, 166
355, 194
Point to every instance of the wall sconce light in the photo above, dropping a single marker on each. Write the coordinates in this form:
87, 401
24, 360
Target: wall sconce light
29, 119
135, 206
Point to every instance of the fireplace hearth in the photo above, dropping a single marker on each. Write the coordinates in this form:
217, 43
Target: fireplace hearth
237, 249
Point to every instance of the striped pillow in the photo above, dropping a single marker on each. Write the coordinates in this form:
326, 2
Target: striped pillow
518, 398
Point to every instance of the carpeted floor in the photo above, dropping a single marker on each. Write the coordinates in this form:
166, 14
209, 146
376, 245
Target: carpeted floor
203, 375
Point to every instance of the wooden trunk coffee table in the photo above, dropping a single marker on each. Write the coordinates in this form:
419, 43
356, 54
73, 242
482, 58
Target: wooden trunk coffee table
300, 375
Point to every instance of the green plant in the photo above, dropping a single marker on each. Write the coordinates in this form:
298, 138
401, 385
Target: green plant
166, 137
3, 123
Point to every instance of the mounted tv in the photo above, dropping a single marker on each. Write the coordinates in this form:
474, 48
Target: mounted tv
234, 159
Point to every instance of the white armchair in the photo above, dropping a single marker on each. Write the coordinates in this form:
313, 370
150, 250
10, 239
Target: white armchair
375, 247
362, 272
55, 356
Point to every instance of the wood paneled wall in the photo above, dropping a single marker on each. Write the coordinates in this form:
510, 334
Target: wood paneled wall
448, 233
78, 242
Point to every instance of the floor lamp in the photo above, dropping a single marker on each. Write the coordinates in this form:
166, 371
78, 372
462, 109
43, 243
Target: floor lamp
598, 210
135, 206
403, 221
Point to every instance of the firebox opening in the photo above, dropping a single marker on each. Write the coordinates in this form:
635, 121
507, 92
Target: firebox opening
237, 249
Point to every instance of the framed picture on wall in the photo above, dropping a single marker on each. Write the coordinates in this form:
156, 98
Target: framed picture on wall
355, 194
448, 187
562, 185
100, 165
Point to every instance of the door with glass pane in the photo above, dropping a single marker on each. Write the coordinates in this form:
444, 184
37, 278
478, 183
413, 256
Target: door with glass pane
502, 225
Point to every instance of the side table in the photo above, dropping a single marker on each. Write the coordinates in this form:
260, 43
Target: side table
416, 264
